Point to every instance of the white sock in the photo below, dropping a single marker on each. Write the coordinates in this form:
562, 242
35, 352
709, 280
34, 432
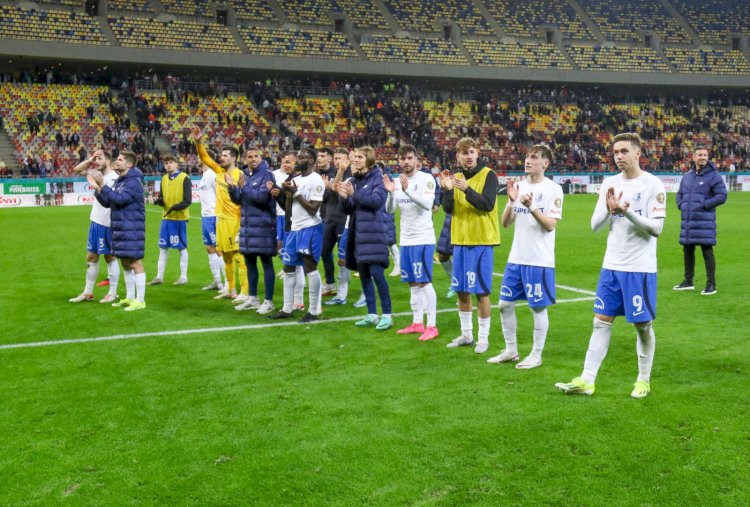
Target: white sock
113, 273
417, 304
129, 284
467, 325
509, 324
140, 287
448, 267
430, 301
215, 264
92, 271
314, 291
299, 291
483, 334
598, 346
541, 325
162, 264
396, 257
290, 289
222, 268
183, 263
645, 346
343, 281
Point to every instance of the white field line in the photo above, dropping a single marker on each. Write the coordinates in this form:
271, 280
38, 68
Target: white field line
226, 329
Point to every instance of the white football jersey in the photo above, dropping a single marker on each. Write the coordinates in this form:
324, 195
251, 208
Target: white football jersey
100, 214
311, 187
629, 248
533, 245
416, 222
207, 193
279, 177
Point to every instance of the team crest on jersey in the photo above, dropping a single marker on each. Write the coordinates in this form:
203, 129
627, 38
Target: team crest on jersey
539, 198
558, 202
319, 188
430, 185
637, 197
660, 198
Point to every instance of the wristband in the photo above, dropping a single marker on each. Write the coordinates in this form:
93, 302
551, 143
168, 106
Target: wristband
533, 207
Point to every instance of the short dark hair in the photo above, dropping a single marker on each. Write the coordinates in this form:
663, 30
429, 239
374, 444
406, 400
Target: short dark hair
130, 157
701, 147
107, 155
543, 150
232, 151
327, 150
405, 149
633, 137
311, 152
169, 158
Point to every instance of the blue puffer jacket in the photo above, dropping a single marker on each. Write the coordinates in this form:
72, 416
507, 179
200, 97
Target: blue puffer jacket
368, 241
698, 196
128, 213
390, 223
258, 212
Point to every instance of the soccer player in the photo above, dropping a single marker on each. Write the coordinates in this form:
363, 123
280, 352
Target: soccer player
364, 199
284, 225
535, 207
207, 193
175, 197
257, 228
470, 196
304, 242
414, 194
227, 217
701, 191
100, 233
334, 219
341, 164
128, 213
632, 207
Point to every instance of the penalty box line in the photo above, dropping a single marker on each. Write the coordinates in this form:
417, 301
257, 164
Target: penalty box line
225, 329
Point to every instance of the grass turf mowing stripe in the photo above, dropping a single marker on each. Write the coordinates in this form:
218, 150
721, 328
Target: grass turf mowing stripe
132, 336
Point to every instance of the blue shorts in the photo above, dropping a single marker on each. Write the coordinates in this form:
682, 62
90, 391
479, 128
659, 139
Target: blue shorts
208, 228
472, 269
342, 244
304, 242
173, 234
416, 263
280, 232
535, 284
626, 293
99, 240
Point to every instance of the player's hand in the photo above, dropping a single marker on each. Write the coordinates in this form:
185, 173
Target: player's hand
270, 185
95, 180
290, 186
460, 183
196, 134
327, 182
512, 190
228, 179
435, 208
404, 182
527, 199
389, 184
275, 191
613, 202
446, 179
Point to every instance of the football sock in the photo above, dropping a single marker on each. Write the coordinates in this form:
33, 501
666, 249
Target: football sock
483, 334
222, 268
161, 265
129, 276
140, 287
467, 326
430, 300
314, 291
509, 324
344, 277
290, 284
598, 346
183, 263
92, 271
299, 290
645, 346
215, 264
242, 273
229, 269
541, 325
113, 273
417, 304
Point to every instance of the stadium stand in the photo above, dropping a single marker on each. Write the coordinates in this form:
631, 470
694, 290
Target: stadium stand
428, 51
139, 6
618, 20
519, 54
616, 59
523, 19
364, 14
714, 20
253, 10
308, 43
200, 8
50, 25
175, 35
425, 14
716, 61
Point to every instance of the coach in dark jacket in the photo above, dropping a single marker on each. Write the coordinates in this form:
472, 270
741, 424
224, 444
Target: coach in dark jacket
701, 191
128, 215
363, 199
257, 228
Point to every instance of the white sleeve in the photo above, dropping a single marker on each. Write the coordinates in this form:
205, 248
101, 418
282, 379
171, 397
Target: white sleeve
424, 200
601, 216
390, 203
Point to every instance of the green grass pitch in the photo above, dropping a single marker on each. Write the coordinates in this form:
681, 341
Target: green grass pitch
197, 404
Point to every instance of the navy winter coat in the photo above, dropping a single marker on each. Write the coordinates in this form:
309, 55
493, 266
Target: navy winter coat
258, 212
367, 242
698, 196
128, 214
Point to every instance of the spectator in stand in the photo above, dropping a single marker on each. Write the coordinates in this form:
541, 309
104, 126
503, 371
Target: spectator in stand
701, 191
